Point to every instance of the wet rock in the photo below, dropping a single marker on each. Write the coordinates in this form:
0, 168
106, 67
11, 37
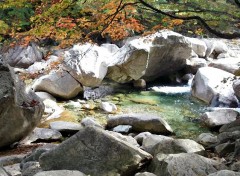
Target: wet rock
20, 109
219, 117
207, 139
94, 151
236, 88
184, 164
60, 173
58, 83
108, 107
42, 134
225, 173
214, 86
23, 57
66, 127
140, 122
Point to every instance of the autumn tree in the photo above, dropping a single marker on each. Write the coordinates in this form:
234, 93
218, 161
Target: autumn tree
70, 21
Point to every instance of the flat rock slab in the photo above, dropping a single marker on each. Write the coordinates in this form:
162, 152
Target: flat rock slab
63, 126
60, 173
95, 152
219, 117
141, 123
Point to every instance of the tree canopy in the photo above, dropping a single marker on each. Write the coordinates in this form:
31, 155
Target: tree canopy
70, 21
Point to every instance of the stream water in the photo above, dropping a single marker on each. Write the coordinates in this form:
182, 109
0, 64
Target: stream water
173, 104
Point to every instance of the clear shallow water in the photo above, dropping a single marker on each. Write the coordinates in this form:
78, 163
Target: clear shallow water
179, 110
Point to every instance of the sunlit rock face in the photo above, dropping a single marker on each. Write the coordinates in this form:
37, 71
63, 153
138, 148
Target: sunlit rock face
150, 57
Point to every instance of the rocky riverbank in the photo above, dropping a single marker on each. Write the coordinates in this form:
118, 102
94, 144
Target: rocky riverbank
123, 143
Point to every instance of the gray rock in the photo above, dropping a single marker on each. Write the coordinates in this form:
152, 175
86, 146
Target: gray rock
63, 126
214, 86
10, 160
150, 141
194, 63
139, 84
140, 123
207, 139
23, 57
87, 63
59, 84
108, 107
3, 172
128, 139
122, 129
34, 156
31, 168
60, 173
94, 151
42, 134
198, 46
227, 64
225, 148
44, 95
90, 121
96, 93
20, 109
225, 173
174, 146
230, 127
236, 88
228, 136
235, 166
13, 170
184, 164
219, 117
144, 174
141, 136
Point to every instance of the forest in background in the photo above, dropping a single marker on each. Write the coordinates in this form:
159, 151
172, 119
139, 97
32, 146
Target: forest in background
65, 22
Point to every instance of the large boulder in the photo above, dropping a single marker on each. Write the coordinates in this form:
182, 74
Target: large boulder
58, 83
87, 63
23, 56
20, 109
184, 164
140, 123
95, 152
214, 86
198, 46
150, 57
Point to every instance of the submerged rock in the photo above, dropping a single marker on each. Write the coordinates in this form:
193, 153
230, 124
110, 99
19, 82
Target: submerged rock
95, 152
140, 123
